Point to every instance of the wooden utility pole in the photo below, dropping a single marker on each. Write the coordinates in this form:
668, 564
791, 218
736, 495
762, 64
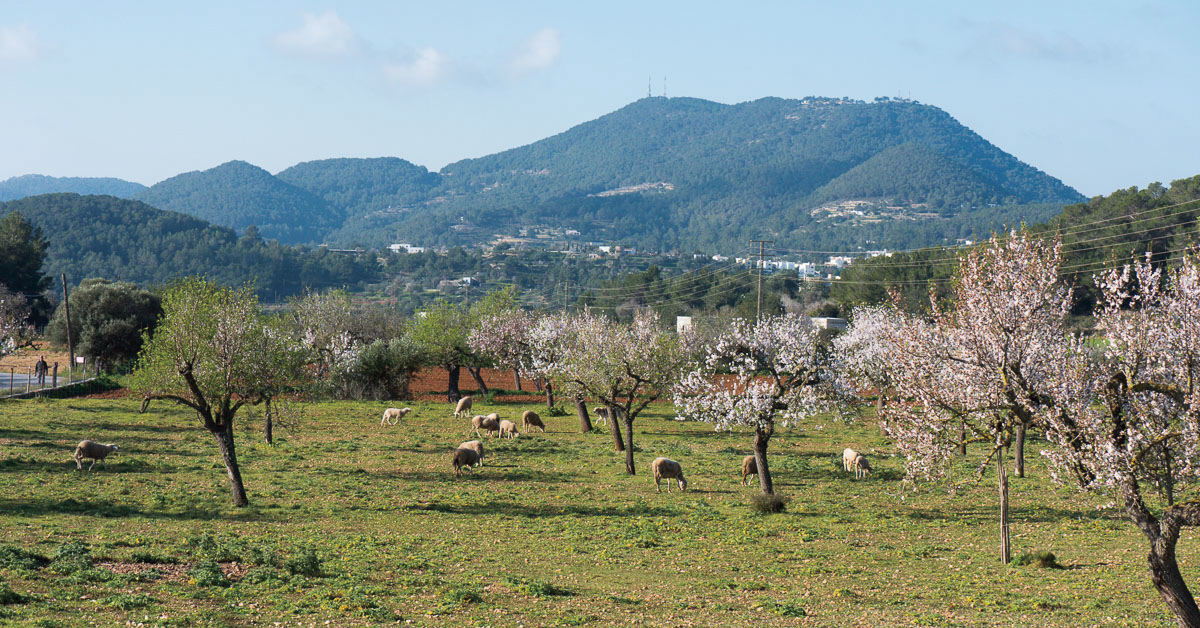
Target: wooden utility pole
67, 311
761, 244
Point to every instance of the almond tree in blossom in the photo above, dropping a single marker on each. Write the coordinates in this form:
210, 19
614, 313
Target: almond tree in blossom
508, 338
625, 367
777, 372
863, 357
15, 330
1144, 435
985, 365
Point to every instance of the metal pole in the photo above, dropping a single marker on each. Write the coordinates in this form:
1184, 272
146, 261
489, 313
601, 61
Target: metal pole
761, 263
11, 375
67, 311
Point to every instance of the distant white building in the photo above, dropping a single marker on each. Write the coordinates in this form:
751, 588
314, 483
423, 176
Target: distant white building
823, 322
808, 269
841, 261
682, 324
404, 247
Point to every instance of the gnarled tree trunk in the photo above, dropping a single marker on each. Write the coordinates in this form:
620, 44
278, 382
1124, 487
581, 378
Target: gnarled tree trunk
761, 439
224, 436
585, 421
1019, 457
453, 392
268, 420
517, 379
477, 374
615, 426
629, 466
549, 395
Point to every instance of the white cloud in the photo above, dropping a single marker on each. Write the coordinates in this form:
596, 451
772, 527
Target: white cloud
1062, 48
538, 52
425, 68
19, 43
324, 35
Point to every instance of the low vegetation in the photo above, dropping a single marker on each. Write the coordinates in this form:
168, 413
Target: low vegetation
355, 524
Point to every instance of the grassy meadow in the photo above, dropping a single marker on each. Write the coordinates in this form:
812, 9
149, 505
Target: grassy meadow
356, 524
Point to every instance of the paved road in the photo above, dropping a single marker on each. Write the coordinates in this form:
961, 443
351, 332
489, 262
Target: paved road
19, 381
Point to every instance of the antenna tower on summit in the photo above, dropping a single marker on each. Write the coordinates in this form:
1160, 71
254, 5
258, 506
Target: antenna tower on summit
648, 92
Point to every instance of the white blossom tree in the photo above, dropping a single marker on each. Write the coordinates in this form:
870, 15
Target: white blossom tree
1144, 435
15, 330
759, 374
863, 358
625, 367
985, 365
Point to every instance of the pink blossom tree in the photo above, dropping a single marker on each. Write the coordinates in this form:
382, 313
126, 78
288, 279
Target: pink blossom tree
986, 365
15, 330
759, 374
1144, 435
625, 367
862, 356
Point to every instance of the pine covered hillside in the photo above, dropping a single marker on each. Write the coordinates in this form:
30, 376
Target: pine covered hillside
109, 237
237, 195
34, 184
685, 172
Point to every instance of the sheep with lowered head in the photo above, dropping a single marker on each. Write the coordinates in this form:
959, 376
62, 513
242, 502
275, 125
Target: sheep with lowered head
854, 461
464, 458
530, 420
489, 424
667, 469
463, 408
508, 429
475, 446
749, 468
93, 451
391, 416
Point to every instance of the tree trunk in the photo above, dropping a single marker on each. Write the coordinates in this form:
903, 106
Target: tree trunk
585, 422
615, 427
962, 437
267, 428
517, 379
1164, 572
549, 395
1005, 546
229, 456
537, 384
453, 394
628, 444
477, 375
761, 439
1019, 458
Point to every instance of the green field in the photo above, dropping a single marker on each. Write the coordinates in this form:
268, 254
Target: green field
354, 524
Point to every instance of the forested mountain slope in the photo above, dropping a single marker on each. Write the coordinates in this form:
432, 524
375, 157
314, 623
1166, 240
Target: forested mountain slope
104, 236
35, 184
237, 194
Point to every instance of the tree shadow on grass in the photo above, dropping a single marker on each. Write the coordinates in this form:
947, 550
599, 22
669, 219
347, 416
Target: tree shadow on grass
37, 507
989, 514
511, 509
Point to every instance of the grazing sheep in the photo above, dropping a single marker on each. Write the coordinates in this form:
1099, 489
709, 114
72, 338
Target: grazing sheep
464, 458
667, 469
508, 429
749, 468
475, 446
93, 450
486, 423
463, 408
391, 416
854, 461
530, 420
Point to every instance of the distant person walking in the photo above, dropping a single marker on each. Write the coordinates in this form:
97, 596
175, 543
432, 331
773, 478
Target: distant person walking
39, 370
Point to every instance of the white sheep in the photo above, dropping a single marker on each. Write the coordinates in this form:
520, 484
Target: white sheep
93, 450
475, 446
464, 458
667, 469
391, 416
749, 468
602, 413
487, 423
464, 407
508, 429
854, 461
530, 420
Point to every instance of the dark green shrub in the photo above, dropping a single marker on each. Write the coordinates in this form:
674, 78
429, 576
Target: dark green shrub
71, 557
1041, 560
304, 562
130, 601
207, 573
535, 588
17, 558
768, 504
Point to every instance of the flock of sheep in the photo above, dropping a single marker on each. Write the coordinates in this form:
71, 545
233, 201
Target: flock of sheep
470, 453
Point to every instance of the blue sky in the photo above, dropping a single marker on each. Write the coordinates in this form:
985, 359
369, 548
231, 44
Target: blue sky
1102, 97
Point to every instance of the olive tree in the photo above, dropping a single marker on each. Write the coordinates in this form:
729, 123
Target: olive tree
214, 352
108, 319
